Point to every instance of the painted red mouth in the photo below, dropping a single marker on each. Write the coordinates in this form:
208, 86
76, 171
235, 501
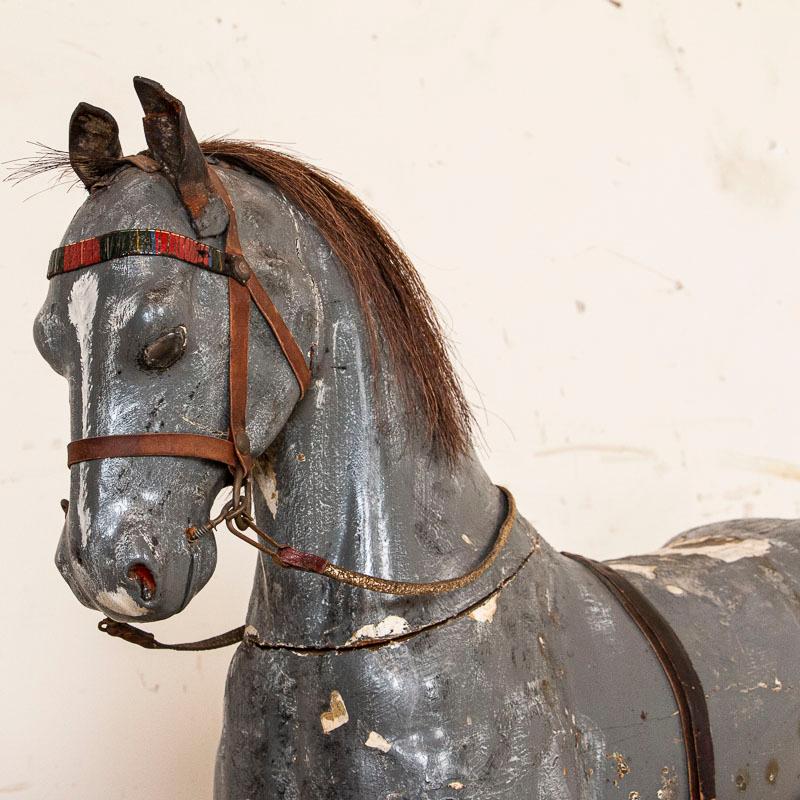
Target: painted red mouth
147, 583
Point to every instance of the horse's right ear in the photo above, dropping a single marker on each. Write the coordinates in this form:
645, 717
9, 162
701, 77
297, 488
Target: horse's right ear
94, 147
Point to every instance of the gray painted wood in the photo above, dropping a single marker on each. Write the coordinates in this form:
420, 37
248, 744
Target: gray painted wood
531, 683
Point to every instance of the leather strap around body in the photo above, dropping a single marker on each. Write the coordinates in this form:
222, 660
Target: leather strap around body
679, 670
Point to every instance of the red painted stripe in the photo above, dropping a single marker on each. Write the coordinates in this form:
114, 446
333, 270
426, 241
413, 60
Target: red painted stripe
92, 252
72, 257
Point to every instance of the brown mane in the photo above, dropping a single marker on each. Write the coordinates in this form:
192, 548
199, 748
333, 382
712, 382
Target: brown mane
388, 287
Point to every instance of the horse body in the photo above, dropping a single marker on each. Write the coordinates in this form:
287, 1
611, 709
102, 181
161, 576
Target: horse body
531, 682
535, 689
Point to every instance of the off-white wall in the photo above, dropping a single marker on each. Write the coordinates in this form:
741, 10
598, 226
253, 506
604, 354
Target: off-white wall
604, 202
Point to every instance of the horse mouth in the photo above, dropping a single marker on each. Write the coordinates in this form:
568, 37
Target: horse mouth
144, 578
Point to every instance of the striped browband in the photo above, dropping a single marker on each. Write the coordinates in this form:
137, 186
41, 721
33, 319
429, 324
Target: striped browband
118, 244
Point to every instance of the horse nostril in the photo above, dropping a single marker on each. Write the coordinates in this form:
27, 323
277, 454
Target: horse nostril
147, 583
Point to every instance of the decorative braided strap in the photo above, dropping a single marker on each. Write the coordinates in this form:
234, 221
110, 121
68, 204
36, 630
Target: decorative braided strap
119, 244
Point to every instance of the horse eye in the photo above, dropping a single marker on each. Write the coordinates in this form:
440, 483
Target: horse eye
164, 351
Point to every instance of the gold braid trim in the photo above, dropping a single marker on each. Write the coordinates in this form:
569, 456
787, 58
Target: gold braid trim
373, 584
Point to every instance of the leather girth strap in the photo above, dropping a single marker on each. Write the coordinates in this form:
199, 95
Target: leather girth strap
677, 665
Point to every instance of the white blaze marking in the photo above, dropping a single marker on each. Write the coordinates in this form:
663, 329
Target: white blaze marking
81, 308
485, 611
120, 602
722, 551
378, 742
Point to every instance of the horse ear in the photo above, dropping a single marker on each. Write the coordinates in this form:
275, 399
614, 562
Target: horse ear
94, 146
174, 146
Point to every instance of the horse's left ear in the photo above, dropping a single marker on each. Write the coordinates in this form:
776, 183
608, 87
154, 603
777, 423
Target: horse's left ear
94, 147
174, 146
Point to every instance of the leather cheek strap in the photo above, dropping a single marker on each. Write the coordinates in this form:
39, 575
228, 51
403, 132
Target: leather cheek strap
233, 247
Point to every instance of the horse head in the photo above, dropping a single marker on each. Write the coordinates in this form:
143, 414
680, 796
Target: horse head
143, 341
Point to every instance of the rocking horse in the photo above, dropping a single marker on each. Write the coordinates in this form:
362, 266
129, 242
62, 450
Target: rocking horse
225, 314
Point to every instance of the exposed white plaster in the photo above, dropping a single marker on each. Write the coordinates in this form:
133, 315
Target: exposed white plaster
638, 569
377, 741
322, 391
390, 626
336, 716
120, 602
723, 551
267, 481
485, 611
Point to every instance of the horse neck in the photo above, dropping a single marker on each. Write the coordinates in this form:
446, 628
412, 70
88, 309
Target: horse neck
352, 479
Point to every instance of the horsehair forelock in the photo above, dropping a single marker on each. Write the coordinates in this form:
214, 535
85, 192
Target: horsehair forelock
388, 287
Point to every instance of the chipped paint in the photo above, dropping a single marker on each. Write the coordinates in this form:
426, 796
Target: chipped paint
620, 765
485, 611
376, 741
676, 590
599, 614
728, 551
267, 482
645, 570
336, 715
668, 784
387, 627
120, 602
771, 772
